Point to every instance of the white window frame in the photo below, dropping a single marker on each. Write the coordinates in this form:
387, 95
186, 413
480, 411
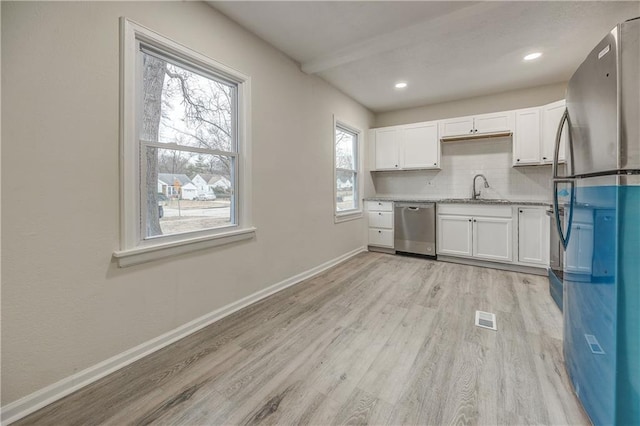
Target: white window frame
134, 247
346, 215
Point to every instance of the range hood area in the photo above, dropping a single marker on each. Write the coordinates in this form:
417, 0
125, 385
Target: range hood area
474, 136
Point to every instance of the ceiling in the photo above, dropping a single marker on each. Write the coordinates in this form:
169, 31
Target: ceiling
443, 50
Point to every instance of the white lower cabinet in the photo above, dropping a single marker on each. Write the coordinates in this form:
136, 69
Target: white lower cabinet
488, 233
492, 238
381, 237
454, 235
380, 220
380, 215
481, 232
533, 235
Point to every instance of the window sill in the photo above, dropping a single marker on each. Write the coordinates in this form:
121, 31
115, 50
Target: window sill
347, 216
140, 255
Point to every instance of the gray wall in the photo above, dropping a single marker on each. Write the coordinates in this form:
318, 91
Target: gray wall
65, 305
505, 101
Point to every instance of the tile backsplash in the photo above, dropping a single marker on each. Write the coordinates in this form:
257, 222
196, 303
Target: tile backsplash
462, 160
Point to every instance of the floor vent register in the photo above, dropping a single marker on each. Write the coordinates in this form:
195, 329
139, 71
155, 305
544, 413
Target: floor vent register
486, 320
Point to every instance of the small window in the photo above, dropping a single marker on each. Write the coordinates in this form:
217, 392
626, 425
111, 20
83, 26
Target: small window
184, 144
346, 171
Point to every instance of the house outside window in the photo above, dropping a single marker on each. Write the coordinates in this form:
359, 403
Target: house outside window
184, 124
346, 177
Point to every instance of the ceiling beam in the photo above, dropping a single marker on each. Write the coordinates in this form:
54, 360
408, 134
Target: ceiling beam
400, 38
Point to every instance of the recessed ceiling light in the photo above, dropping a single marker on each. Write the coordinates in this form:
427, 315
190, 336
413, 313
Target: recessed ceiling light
532, 56
401, 85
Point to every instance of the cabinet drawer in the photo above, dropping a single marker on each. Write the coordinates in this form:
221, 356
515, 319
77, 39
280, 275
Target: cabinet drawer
380, 206
381, 220
475, 210
381, 237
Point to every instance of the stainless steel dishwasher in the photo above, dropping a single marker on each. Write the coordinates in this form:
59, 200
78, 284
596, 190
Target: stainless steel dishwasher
415, 228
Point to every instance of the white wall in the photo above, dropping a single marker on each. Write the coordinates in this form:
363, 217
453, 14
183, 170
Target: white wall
460, 161
65, 304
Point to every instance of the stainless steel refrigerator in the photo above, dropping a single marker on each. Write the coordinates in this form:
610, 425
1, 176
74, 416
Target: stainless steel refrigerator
600, 190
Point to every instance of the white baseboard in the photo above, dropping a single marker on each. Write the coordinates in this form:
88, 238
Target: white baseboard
45, 396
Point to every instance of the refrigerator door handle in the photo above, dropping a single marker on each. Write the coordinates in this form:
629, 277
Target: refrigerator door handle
564, 239
556, 151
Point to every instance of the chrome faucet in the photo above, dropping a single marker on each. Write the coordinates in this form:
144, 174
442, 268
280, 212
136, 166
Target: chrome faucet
486, 185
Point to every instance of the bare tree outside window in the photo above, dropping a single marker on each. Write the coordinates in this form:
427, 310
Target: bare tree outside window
187, 131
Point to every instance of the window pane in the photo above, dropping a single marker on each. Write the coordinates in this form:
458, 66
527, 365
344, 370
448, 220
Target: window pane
345, 149
182, 107
187, 191
346, 191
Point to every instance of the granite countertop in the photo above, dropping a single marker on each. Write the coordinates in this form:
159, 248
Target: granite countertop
406, 199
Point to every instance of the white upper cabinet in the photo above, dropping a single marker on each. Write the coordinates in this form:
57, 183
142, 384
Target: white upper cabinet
551, 116
485, 123
421, 147
414, 146
456, 126
495, 122
417, 146
534, 138
387, 144
526, 139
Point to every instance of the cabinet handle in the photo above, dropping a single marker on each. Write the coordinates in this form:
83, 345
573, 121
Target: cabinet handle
379, 232
471, 131
469, 220
518, 159
396, 165
544, 158
435, 164
379, 204
475, 130
474, 220
379, 214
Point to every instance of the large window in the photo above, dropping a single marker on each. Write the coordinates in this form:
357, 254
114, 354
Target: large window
346, 178
184, 144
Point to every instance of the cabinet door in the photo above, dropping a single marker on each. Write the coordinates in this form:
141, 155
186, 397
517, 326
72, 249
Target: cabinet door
456, 126
421, 147
387, 141
492, 239
496, 122
533, 236
551, 115
454, 235
526, 139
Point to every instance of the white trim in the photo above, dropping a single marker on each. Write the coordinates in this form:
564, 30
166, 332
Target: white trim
348, 215
45, 396
150, 253
134, 247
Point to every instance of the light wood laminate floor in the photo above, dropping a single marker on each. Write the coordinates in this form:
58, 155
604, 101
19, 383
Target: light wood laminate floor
379, 339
